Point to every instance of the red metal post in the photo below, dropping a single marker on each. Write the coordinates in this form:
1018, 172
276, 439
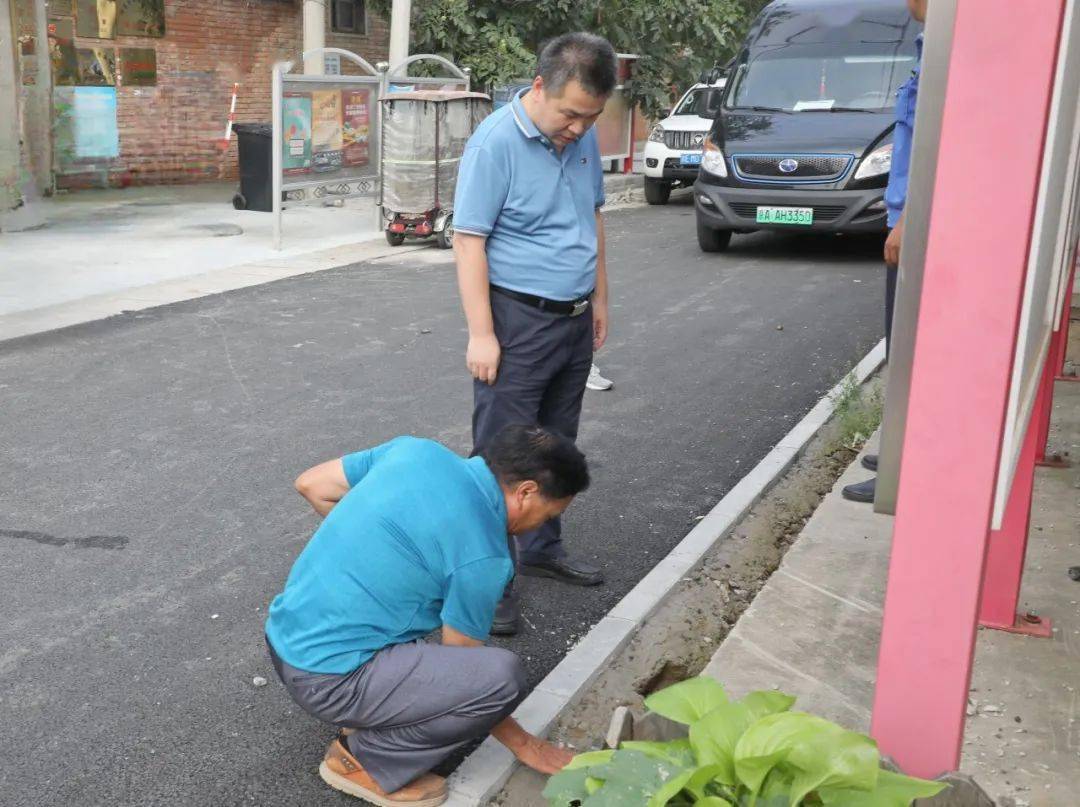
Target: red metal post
1041, 413
1062, 336
961, 371
1055, 365
1008, 545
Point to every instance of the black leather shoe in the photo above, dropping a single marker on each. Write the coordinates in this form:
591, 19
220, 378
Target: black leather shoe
861, 491
569, 571
507, 616
869, 462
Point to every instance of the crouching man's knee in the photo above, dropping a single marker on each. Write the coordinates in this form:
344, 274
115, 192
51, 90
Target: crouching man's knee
509, 674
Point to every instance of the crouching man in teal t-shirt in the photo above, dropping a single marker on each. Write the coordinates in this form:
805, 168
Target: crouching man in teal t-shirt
415, 539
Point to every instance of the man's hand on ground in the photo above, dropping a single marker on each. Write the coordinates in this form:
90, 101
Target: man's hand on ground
538, 754
600, 324
892, 244
543, 756
482, 357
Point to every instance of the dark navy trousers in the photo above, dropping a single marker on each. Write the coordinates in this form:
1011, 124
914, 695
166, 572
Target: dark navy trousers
541, 380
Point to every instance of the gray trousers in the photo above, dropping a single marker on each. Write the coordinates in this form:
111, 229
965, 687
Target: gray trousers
412, 705
542, 373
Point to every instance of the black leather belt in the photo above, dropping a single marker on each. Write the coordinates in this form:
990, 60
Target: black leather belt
571, 308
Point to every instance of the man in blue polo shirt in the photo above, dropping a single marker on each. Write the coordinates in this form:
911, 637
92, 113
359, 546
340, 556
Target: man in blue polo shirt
529, 244
895, 199
415, 539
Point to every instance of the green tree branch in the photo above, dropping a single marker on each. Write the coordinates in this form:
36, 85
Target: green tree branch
499, 39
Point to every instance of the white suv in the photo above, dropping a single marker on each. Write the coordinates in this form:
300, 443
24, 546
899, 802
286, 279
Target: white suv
673, 151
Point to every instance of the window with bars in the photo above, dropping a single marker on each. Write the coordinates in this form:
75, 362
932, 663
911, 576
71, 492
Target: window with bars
348, 16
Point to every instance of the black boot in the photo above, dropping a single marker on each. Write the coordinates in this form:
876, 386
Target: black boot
507, 616
861, 491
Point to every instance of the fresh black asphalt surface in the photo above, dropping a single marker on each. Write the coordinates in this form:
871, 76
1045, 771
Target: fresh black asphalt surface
147, 515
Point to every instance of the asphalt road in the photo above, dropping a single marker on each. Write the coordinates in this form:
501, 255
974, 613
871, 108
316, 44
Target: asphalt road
147, 516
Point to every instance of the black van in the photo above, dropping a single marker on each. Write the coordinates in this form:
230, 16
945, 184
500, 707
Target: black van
803, 137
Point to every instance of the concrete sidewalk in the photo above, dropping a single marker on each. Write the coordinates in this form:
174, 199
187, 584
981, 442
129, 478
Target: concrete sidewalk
813, 631
106, 241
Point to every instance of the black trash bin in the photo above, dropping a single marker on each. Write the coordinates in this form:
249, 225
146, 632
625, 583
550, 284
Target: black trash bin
254, 144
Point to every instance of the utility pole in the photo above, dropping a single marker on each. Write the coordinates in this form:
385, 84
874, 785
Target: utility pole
37, 122
400, 19
10, 162
315, 35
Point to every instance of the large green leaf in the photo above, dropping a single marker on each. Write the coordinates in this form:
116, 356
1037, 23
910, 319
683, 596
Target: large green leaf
773, 793
714, 737
677, 752
588, 759
893, 790
712, 801
631, 778
567, 788
752, 770
670, 789
814, 751
701, 778
764, 702
687, 701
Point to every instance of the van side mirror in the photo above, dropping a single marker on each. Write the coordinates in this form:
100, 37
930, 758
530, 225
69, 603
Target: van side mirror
712, 104
665, 113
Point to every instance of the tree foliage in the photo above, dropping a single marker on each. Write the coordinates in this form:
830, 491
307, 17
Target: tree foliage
499, 39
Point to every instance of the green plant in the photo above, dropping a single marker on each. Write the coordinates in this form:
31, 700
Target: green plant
857, 412
754, 752
499, 39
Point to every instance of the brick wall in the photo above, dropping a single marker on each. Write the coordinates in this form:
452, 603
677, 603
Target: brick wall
168, 132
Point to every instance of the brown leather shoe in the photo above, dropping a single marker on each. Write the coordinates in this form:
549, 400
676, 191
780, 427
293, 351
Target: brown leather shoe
342, 771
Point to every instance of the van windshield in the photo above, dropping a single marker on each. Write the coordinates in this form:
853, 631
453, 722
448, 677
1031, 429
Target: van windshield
807, 78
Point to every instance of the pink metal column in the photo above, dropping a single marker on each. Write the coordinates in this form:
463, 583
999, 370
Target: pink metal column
968, 318
1008, 545
1055, 368
1062, 336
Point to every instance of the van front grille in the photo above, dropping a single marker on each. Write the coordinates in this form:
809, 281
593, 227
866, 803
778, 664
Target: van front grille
801, 167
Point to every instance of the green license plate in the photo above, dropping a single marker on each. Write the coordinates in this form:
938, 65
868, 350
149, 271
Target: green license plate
785, 215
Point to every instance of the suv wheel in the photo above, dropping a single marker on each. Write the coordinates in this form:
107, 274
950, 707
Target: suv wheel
710, 239
657, 192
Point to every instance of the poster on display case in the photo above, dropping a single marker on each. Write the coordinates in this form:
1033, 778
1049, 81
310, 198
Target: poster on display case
327, 139
97, 66
296, 133
140, 17
138, 67
95, 130
65, 63
356, 126
95, 20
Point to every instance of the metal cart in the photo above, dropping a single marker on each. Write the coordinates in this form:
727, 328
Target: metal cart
423, 135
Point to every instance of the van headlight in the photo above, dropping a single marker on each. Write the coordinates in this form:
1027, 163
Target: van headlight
657, 134
712, 159
877, 163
